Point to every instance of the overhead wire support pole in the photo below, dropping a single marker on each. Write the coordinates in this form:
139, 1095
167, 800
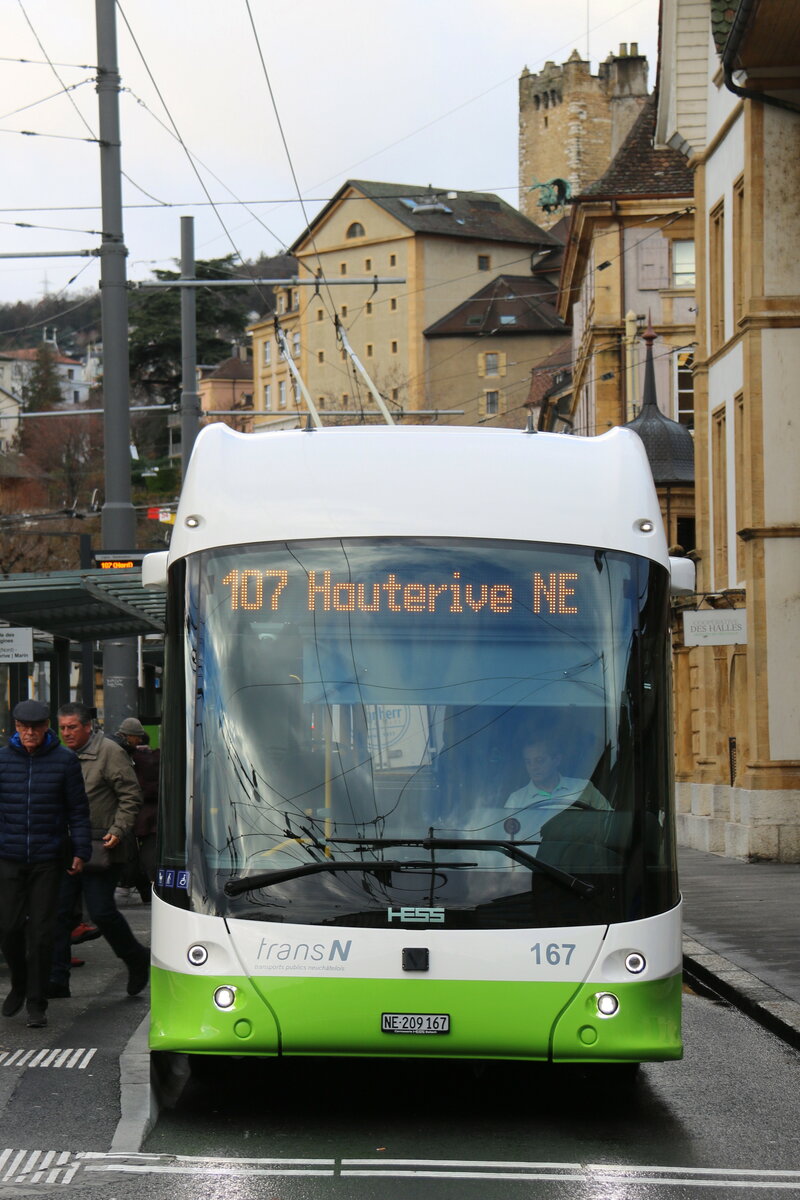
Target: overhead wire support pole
280, 337
356, 361
120, 674
190, 397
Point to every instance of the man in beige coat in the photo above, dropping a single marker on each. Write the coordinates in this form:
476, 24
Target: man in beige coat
114, 801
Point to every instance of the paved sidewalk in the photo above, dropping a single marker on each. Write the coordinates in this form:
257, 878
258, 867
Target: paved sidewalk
741, 925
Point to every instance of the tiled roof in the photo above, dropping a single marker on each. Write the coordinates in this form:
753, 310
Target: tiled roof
31, 356
552, 375
638, 169
723, 13
430, 210
17, 466
509, 305
232, 368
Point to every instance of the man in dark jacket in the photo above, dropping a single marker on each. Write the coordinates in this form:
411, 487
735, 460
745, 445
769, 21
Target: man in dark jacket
44, 831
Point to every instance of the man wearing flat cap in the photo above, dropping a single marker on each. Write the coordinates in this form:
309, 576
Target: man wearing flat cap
114, 800
45, 832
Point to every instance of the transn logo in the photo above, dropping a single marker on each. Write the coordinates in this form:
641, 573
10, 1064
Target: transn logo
416, 916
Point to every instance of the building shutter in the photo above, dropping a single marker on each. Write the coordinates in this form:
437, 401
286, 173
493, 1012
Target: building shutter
653, 260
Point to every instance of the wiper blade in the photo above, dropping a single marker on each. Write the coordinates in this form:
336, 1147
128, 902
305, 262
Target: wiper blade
512, 850
252, 883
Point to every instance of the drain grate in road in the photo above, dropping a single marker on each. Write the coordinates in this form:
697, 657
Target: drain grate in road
79, 1058
38, 1166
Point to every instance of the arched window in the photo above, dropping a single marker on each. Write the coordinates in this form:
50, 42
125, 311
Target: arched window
355, 230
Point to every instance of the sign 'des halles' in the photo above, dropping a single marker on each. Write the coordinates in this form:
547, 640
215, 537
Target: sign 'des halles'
725, 627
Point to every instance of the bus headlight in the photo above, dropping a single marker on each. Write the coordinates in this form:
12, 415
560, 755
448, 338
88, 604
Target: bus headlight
225, 997
607, 1004
635, 963
197, 955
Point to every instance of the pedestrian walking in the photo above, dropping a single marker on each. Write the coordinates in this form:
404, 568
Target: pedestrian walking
140, 873
44, 838
114, 801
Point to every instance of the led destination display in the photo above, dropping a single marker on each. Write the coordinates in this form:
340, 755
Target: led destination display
551, 592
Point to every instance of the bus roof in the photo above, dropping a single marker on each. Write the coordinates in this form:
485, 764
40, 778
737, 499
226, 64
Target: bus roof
418, 481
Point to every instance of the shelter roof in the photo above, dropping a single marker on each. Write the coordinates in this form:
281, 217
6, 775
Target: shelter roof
88, 605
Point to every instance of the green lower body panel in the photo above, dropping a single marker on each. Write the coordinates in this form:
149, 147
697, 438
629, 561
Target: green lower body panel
488, 1019
646, 1028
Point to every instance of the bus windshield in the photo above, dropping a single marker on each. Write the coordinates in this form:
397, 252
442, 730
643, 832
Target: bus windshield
464, 727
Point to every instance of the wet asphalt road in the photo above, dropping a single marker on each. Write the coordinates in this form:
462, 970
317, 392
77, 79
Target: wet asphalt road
724, 1122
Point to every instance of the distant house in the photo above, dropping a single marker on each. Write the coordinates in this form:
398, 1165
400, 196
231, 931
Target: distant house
481, 354
22, 485
18, 367
550, 396
226, 392
9, 418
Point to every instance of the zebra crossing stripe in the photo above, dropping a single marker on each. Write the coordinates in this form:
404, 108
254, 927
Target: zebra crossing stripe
68, 1058
38, 1166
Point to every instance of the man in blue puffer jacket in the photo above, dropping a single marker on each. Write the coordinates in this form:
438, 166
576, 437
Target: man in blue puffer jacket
44, 830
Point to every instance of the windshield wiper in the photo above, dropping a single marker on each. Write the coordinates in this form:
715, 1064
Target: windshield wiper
252, 883
512, 850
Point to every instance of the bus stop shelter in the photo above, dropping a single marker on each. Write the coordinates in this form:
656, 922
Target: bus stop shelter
69, 611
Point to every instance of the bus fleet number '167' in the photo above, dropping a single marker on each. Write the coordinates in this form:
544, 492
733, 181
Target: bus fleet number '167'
553, 954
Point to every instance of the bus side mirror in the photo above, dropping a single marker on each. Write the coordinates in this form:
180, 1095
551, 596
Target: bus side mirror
681, 576
154, 570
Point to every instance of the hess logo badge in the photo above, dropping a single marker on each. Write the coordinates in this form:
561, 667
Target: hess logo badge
416, 916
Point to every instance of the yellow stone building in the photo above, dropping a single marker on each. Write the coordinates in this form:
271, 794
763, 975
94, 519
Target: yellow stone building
389, 262
730, 97
629, 260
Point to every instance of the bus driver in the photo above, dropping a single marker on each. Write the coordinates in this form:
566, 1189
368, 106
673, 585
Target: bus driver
547, 791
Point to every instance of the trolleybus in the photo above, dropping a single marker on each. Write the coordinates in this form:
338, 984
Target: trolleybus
416, 789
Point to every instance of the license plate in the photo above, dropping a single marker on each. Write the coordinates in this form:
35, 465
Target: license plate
415, 1022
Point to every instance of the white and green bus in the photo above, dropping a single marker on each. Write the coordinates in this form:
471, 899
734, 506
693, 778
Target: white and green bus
370, 631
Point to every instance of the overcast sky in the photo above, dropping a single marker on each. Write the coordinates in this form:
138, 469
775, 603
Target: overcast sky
418, 92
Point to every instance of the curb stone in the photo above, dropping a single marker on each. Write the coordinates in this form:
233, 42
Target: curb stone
719, 975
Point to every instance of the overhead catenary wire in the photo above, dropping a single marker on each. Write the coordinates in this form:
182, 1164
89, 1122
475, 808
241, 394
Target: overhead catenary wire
51, 63
67, 90
246, 205
249, 10
179, 136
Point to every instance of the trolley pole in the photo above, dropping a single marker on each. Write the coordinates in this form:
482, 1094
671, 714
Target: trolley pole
190, 398
120, 677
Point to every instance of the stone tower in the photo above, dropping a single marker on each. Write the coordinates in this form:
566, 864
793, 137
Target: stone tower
571, 123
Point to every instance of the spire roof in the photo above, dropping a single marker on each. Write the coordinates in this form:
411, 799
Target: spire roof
668, 444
